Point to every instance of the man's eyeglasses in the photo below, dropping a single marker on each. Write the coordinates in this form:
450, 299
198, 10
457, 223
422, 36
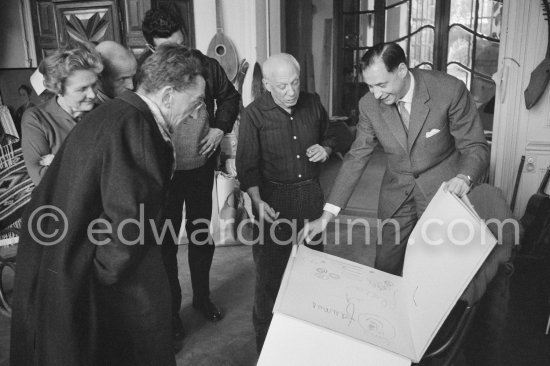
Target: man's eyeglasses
198, 108
199, 104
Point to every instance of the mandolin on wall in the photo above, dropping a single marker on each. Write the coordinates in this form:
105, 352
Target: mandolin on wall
221, 48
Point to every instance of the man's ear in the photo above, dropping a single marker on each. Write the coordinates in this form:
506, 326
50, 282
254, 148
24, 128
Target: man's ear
166, 95
402, 70
267, 86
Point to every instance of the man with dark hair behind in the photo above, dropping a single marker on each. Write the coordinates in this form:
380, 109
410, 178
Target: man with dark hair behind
196, 145
90, 286
427, 123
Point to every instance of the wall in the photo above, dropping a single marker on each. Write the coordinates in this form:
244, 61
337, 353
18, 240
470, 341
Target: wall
254, 27
518, 131
274, 20
10, 80
244, 22
322, 10
12, 50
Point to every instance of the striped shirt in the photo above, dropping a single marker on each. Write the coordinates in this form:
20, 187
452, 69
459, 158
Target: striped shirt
272, 143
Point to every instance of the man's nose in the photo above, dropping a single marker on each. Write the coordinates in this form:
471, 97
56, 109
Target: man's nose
129, 84
290, 91
91, 93
377, 93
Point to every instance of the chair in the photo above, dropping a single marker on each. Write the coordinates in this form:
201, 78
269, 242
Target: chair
485, 288
447, 342
343, 133
7, 272
15, 192
8, 252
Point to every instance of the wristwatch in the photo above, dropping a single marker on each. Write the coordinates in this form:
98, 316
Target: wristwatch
466, 178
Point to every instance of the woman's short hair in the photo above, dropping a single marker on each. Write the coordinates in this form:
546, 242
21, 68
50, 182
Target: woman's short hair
57, 67
171, 65
159, 23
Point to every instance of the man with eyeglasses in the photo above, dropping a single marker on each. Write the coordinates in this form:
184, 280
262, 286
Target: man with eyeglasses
196, 143
283, 139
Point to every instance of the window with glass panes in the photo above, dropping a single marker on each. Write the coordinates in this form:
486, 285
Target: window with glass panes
460, 37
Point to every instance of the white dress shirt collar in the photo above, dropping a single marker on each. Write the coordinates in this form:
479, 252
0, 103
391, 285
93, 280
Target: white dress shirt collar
408, 97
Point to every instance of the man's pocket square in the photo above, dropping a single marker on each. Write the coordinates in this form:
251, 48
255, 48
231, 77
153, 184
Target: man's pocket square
431, 133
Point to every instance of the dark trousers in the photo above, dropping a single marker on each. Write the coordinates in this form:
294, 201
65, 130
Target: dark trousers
390, 254
303, 201
194, 187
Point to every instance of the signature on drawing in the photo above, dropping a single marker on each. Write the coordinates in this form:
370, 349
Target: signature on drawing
374, 325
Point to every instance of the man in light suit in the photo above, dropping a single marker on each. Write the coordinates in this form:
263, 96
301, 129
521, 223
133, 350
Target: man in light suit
428, 125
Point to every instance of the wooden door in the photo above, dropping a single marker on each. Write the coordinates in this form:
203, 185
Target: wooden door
59, 23
91, 21
44, 27
134, 11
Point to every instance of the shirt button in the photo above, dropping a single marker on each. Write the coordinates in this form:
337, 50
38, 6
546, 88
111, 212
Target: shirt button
299, 175
294, 137
298, 156
292, 118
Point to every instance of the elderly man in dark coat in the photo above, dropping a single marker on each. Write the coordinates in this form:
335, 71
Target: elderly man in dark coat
90, 286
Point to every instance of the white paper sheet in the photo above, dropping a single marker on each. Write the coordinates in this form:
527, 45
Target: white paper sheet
293, 342
349, 298
446, 248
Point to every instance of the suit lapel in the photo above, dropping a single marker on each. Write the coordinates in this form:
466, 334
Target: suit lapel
393, 121
419, 109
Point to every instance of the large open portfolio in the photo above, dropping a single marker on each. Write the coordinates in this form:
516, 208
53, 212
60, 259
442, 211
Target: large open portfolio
331, 311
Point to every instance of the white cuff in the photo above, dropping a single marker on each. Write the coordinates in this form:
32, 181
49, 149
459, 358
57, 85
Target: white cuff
333, 209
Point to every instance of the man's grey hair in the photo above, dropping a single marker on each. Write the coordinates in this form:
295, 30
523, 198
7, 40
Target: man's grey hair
171, 65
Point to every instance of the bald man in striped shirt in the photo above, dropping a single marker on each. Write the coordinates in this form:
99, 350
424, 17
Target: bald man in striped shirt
283, 140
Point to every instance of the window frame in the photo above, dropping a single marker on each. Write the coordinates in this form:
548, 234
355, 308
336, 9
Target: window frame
440, 47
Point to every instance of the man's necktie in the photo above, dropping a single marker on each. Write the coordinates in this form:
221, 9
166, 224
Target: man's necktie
404, 113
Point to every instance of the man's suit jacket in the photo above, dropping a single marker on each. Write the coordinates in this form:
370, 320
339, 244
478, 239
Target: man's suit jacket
445, 138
